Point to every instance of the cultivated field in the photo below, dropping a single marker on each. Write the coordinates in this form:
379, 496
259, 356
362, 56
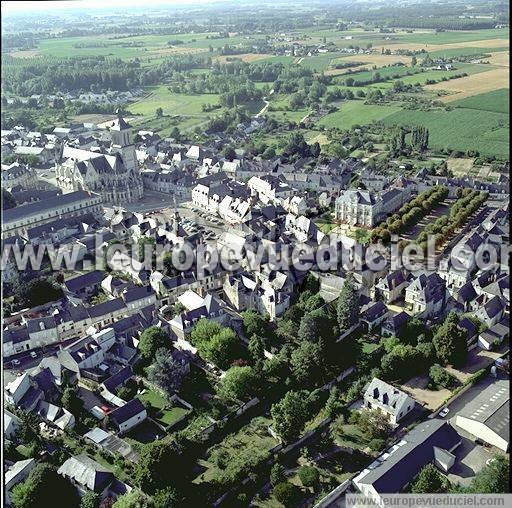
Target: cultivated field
460, 129
497, 100
500, 58
473, 85
460, 167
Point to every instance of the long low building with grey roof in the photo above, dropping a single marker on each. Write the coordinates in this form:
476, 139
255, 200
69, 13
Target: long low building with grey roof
487, 416
433, 441
74, 204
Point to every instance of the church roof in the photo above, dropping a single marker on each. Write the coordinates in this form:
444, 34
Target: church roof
120, 124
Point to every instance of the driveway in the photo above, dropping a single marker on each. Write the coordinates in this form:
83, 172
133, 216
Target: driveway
470, 459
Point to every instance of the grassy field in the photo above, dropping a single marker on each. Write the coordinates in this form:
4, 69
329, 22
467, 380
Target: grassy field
497, 101
356, 112
460, 129
171, 103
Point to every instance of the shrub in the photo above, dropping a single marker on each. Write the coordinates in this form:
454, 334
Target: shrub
376, 445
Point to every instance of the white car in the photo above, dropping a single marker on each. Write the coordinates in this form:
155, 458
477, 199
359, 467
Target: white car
33, 354
444, 412
16, 362
488, 462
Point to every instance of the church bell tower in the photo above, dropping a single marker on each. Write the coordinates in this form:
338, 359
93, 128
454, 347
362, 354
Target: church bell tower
121, 132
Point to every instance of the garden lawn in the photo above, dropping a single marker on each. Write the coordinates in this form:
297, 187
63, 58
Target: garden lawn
153, 399
172, 415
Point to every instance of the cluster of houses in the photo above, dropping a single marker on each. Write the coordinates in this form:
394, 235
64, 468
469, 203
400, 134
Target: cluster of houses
91, 334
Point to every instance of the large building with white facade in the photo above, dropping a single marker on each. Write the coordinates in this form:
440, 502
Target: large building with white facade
367, 208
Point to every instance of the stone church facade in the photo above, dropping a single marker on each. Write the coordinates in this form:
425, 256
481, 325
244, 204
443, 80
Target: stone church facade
114, 175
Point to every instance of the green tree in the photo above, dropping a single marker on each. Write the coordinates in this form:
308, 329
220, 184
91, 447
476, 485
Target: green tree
167, 498
441, 377
450, 342
40, 487
37, 292
374, 423
277, 474
254, 323
309, 476
430, 481
223, 348
238, 383
256, 347
91, 499
147, 246
151, 340
307, 363
71, 400
134, 499
155, 462
334, 404
348, 307
286, 493
203, 331
493, 478
290, 415
159, 112
167, 373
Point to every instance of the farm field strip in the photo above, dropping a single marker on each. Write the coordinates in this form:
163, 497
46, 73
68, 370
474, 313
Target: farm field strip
473, 84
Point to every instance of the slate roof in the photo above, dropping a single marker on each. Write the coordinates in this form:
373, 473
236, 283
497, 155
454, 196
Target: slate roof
21, 212
399, 465
84, 281
386, 395
137, 293
107, 307
118, 379
129, 410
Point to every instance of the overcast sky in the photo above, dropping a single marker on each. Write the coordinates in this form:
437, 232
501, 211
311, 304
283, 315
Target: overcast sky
33, 6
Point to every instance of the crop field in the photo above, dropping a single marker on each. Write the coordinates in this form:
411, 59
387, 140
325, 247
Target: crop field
356, 112
501, 58
497, 101
472, 85
142, 46
460, 129
454, 52
423, 77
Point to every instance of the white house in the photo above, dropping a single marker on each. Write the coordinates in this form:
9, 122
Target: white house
128, 416
388, 399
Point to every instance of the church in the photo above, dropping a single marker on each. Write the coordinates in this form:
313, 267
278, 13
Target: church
114, 174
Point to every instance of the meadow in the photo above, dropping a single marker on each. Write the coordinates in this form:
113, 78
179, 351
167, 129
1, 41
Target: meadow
357, 112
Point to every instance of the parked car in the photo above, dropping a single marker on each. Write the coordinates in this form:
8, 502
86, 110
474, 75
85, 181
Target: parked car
33, 354
444, 412
488, 462
16, 362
